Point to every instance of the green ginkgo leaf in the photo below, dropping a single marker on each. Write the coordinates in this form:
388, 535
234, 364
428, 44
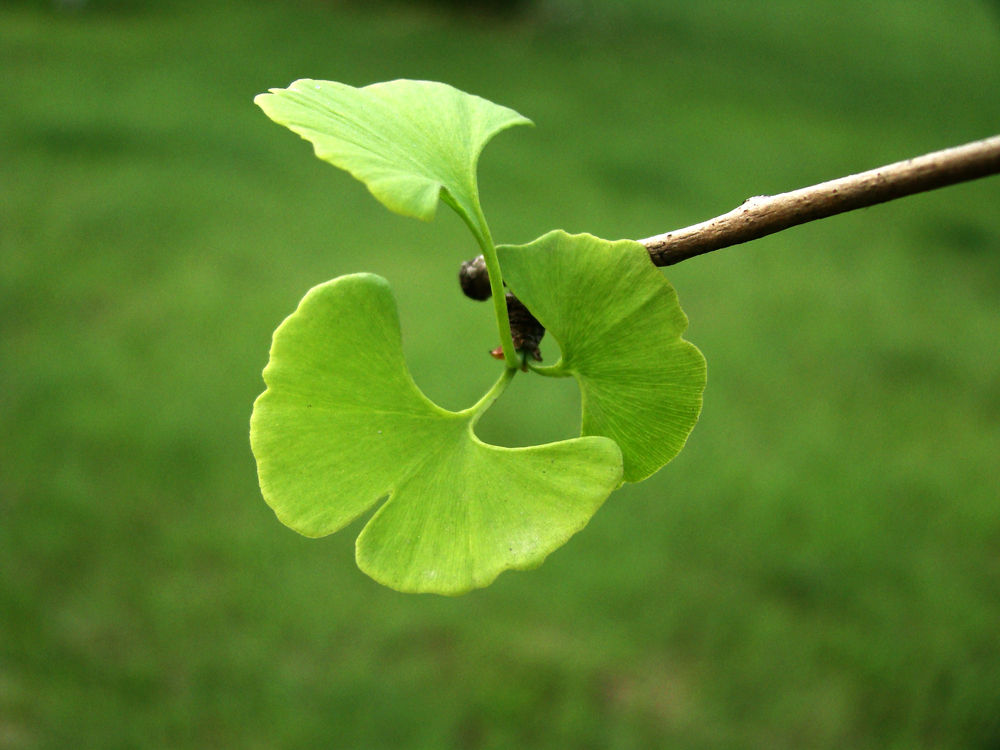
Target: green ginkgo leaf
408, 141
619, 326
342, 424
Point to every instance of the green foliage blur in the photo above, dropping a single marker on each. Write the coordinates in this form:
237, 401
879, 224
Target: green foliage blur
820, 568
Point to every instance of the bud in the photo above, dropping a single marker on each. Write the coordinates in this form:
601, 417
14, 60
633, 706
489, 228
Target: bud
525, 329
475, 279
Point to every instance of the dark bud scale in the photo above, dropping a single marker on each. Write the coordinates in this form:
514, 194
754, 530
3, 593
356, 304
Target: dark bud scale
475, 279
525, 329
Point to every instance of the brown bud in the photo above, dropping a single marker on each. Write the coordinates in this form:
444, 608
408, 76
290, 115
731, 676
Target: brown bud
525, 329
475, 279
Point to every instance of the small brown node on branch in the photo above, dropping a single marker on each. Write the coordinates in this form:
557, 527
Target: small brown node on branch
475, 279
525, 329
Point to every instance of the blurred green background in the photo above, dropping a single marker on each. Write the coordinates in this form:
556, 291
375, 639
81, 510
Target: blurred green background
820, 568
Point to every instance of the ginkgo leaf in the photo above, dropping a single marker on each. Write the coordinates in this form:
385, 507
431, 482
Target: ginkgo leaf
408, 141
619, 327
342, 424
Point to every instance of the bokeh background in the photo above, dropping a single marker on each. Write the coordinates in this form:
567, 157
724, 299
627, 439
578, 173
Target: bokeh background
820, 568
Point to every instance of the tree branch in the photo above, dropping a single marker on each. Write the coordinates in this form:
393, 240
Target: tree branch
767, 214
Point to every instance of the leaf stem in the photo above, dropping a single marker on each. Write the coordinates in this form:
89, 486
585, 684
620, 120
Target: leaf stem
481, 231
492, 394
550, 371
500, 305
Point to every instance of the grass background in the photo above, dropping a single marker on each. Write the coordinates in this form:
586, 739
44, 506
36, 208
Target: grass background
820, 568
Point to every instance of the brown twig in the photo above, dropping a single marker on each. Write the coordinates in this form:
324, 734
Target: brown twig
767, 214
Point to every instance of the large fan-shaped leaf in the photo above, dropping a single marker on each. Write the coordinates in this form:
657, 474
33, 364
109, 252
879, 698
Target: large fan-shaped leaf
619, 325
406, 140
342, 424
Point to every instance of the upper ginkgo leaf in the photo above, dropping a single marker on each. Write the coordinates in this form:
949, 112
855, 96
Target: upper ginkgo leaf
619, 326
342, 424
406, 140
